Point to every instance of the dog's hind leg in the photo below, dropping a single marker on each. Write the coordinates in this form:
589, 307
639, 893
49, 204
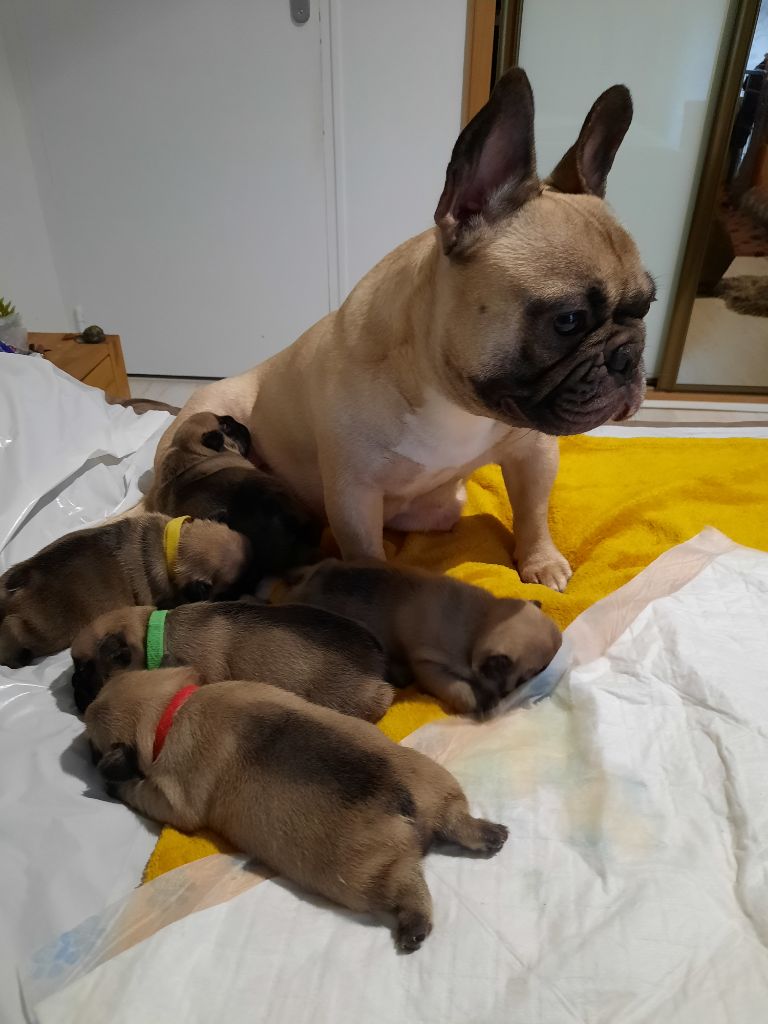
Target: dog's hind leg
457, 825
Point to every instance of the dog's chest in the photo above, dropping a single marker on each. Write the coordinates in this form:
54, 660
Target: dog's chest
440, 435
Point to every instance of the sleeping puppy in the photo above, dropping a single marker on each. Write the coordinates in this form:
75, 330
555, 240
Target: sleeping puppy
47, 599
206, 473
457, 642
320, 656
323, 799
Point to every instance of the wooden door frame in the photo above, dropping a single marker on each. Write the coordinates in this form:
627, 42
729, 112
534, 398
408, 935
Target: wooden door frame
730, 71
486, 57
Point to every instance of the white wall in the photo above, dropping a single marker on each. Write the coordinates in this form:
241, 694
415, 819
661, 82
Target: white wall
665, 51
204, 197
27, 274
398, 73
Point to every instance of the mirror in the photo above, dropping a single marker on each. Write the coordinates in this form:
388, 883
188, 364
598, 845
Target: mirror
725, 345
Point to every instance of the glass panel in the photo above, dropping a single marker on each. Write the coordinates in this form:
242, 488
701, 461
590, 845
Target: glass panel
727, 339
665, 51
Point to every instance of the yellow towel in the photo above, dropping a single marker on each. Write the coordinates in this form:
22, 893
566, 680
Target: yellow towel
617, 505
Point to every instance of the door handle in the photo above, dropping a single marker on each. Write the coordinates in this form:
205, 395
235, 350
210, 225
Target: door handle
299, 12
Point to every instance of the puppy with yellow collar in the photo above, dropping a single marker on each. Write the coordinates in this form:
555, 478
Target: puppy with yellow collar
46, 600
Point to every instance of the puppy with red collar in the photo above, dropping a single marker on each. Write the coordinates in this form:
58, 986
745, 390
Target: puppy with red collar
323, 799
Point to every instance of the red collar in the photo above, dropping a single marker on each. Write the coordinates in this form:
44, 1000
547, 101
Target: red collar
167, 717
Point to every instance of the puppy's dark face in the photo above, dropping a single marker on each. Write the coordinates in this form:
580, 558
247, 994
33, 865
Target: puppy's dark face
237, 434
517, 646
108, 654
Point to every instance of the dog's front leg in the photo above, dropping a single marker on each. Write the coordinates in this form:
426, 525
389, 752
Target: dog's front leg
355, 512
529, 465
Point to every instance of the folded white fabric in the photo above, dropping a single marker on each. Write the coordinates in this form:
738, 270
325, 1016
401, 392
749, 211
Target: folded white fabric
67, 460
632, 888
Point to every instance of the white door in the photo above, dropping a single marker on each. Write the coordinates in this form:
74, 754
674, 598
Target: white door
179, 151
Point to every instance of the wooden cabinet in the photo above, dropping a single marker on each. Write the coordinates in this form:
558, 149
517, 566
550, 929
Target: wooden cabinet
100, 366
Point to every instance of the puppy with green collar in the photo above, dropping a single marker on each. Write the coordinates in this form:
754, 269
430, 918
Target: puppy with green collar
152, 559
321, 798
323, 657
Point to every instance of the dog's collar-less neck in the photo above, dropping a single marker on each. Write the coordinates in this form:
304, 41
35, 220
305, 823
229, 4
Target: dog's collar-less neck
171, 541
155, 640
166, 719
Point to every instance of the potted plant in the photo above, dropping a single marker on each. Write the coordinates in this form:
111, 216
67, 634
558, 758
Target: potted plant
12, 331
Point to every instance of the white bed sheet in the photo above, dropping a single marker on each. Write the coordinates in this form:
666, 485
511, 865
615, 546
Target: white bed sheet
67, 460
632, 888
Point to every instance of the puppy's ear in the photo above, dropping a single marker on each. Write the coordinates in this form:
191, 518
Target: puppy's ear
213, 439
17, 578
86, 683
584, 168
197, 590
120, 764
493, 165
114, 648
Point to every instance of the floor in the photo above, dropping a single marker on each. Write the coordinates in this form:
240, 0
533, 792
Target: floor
655, 412
723, 347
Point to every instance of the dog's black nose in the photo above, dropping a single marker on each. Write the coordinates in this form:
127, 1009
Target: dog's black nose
621, 362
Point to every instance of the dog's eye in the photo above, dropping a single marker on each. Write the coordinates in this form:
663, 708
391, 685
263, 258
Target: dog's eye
570, 323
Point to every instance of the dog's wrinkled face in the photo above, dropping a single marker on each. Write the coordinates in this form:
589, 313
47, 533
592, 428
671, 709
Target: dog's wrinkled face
540, 275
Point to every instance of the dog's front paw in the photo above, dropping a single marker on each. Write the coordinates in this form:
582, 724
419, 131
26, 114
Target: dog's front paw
544, 565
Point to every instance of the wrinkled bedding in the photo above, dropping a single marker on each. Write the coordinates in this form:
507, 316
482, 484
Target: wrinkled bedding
633, 885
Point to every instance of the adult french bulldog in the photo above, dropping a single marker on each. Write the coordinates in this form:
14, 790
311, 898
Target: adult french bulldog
517, 318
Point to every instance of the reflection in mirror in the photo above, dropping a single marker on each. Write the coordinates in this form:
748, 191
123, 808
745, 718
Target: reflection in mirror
727, 339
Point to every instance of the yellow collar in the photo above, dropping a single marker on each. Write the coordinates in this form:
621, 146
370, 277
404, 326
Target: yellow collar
172, 539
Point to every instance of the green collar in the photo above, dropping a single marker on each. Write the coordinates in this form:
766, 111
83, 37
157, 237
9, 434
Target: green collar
156, 638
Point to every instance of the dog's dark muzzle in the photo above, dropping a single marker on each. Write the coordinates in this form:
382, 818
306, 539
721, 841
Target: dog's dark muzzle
600, 383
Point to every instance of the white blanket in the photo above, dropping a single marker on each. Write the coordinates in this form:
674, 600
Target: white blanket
632, 888
67, 460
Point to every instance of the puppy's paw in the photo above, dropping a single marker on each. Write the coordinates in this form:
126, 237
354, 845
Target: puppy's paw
494, 836
412, 929
544, 565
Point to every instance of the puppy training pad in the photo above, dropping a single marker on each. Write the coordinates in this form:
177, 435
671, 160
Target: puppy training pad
617, 505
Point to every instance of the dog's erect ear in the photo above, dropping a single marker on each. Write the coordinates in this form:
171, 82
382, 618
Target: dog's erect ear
493, 164
114, 649
213, 439
584, 168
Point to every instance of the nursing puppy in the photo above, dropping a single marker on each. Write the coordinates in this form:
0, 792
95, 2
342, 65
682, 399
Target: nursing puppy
47, 599
323, 799
458, 642
320, 656
206, 473
518, 317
